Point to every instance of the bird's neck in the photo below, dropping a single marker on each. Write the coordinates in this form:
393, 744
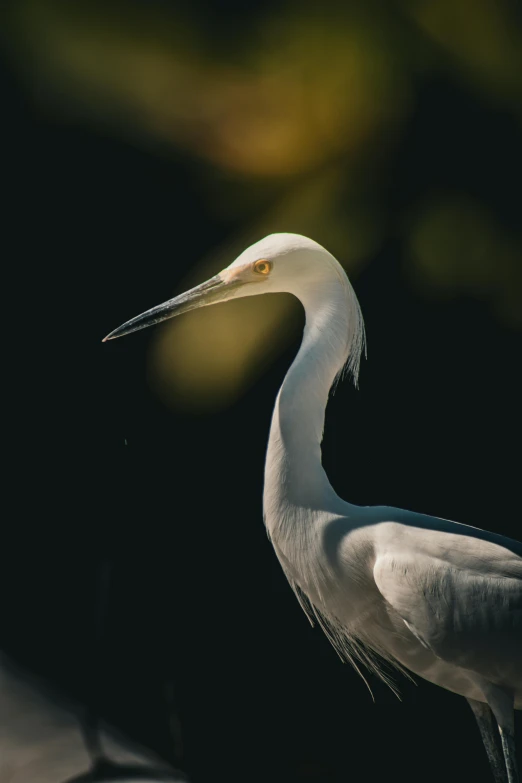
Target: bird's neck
294, 476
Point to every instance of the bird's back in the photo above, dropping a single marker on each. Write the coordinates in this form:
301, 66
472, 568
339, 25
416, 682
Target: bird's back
458, 590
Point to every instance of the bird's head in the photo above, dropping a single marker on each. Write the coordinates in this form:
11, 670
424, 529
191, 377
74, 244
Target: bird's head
279, 262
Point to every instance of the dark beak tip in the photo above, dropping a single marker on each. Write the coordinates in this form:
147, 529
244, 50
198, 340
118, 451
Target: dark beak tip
180, 304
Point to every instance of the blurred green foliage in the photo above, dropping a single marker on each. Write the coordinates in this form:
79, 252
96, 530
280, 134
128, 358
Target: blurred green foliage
300, 109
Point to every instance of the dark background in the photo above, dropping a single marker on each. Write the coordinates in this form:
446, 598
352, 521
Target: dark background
101, 221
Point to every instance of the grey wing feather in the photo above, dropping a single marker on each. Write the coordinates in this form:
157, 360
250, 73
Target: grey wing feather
467, 614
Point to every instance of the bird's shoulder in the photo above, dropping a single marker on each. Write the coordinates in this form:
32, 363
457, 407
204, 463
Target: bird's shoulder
398, 543
442, 578
400, 535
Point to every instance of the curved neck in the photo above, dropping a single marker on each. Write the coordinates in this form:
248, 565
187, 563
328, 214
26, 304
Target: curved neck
294, 475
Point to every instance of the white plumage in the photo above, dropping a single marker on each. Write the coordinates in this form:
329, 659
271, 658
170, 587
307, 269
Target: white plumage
437, 598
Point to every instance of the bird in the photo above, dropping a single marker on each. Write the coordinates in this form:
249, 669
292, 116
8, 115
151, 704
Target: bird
390, 587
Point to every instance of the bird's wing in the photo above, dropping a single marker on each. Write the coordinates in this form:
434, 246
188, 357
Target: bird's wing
461, 596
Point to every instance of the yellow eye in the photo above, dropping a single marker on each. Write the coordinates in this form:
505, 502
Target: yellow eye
263, 267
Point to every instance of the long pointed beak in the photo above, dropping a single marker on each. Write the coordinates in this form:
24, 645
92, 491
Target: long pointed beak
217, 289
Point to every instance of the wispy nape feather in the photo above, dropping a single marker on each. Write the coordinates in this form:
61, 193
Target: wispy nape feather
356, 335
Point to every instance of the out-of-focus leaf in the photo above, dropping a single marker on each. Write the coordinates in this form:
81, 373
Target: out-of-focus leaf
456, 246
484, 42
296, 94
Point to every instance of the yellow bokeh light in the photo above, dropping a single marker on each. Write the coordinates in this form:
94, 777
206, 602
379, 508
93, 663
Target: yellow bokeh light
206, 359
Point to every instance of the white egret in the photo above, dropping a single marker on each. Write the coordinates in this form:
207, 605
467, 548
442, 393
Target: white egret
438, 598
